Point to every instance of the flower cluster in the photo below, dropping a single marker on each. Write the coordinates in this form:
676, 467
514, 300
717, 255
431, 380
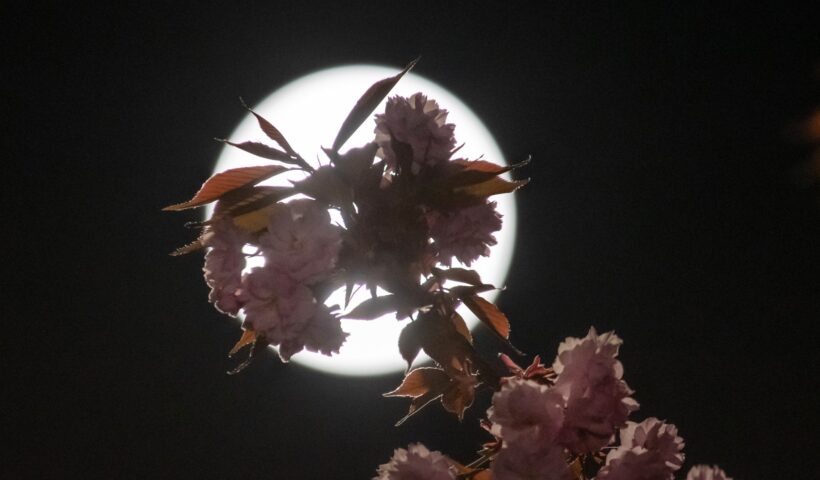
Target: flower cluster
411, 210
570, 422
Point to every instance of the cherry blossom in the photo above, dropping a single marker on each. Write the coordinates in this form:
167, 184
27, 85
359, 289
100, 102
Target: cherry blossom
525, 412
597, 399
224, 262
416, 463
300, 241
650, 450
464, 234
546, 463
705, 472
419, 123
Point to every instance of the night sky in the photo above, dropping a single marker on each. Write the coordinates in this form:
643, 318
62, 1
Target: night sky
663, 205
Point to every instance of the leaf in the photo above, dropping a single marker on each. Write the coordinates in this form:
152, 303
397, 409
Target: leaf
227, 181
459, 396
186, 249
272, 132
420, 381
491, 187
353, 165
489, 314
463, 275
256, 220
248, 338
262, 150
246, 200
366, 104
326, 186
424, 385
440, 340
461, 327
373, 308
409, 343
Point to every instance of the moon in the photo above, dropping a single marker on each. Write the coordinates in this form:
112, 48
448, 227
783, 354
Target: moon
309, 111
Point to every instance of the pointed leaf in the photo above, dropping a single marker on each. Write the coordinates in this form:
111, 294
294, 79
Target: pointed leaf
248, 338
249, 199
373, 308
461, 327
272, 132
262, 150
491, 187
458, 397
366, 104
409, 343
420, 381
489, 314
186, 249
224, 182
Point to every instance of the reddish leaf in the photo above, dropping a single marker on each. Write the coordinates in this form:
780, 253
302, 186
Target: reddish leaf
409, 343
186, 249
461, 292
463, 275
491, 187
272, 132
459, 395
373, 308
229, 180
326, 186
488, 313
442, 342
461, 327
262, 150
248, 199
420, 381
366, 104
248, 338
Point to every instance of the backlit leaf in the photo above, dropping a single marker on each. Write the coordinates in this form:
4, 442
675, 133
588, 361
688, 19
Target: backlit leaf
248, 338
420, 381
463, 275
489, 314
272, 132
373, 308
366, 104
491, 187
229, 180
262, 150
461, 327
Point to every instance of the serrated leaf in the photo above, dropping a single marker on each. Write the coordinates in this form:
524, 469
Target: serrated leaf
249, 199
421, 381
366, 104
462, 275
458, 397
227, 181
262, 150
489, 314
373, 308
272, 132
189, 248
494, 186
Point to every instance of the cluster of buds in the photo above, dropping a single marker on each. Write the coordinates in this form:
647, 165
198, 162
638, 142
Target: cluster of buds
410, 207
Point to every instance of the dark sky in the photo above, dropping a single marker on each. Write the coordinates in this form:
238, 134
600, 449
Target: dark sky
661, 205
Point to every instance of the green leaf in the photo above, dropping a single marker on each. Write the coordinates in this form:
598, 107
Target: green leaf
366, 104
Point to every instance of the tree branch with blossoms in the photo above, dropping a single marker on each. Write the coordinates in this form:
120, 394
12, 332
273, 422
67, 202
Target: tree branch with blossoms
410, 207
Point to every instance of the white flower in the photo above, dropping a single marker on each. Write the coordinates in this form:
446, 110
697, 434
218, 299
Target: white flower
416, 463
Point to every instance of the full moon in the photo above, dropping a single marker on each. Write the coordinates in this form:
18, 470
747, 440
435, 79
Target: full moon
309, 111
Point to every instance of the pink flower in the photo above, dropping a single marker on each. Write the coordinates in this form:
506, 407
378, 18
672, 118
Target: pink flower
464, 234
419, 123
650, 450
705, 472
597, 400
515, 463
416, 463
300, 241
285, 313
224, 263
524, 411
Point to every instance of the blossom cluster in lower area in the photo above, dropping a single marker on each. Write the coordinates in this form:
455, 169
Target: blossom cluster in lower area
567, 422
